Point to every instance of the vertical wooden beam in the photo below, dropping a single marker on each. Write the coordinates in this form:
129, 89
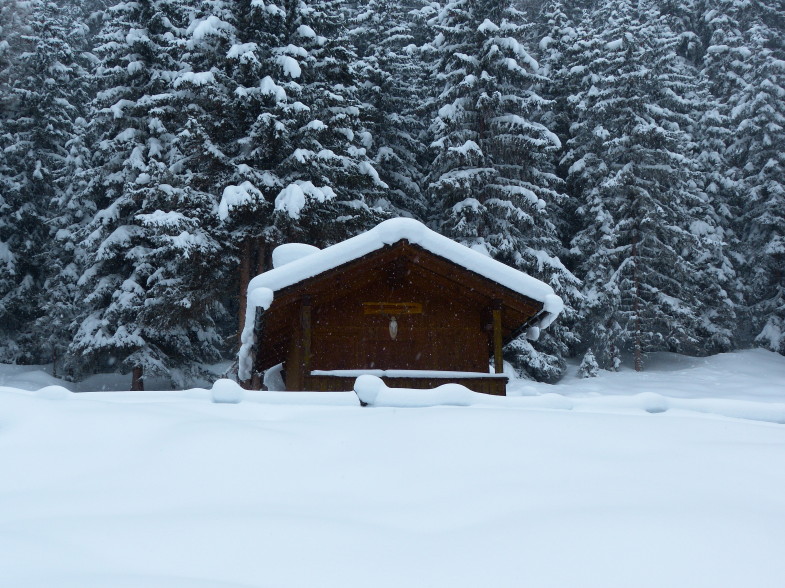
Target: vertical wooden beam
255, 383
292, 363
498, 362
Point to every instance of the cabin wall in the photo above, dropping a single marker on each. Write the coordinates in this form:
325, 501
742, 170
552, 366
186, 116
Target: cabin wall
449, 334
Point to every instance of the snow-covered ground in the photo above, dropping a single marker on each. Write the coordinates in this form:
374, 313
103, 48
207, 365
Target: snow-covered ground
674, 477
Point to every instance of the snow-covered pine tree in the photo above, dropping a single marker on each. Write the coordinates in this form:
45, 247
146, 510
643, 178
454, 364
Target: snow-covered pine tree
715, 263
743, 45
252, 131
302, 129
329, 180
150, 267
42, 76
13, 24
757, 158
61, 306
555, 35
632, 170
589, 368
492, 183
702, 117
218, 106
723, 52
292, 132
388, 36
683, 19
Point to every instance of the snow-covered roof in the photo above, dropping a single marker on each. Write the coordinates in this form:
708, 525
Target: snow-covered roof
261, 289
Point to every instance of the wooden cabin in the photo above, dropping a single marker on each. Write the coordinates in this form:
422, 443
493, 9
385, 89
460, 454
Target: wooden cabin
400, 302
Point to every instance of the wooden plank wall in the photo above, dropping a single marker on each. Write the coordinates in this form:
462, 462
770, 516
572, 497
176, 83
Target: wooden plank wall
449, 334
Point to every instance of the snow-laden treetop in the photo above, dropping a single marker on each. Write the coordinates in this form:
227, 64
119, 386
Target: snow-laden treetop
261, 289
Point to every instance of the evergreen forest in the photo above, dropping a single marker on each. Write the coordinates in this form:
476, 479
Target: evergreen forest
153, 153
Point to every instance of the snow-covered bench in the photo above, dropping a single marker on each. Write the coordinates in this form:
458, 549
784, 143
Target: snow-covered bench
343, 380
372, 391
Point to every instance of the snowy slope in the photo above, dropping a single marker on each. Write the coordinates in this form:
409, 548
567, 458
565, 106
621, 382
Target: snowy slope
570, 485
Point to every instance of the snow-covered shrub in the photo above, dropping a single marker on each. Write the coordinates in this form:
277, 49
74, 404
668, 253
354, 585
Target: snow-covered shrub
535, 364
589, 367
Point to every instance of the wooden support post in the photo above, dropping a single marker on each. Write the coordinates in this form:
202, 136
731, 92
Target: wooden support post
255, 383
498, 362
292, 365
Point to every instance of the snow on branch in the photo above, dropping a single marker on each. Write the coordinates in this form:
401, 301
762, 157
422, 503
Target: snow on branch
293, 198
237, 196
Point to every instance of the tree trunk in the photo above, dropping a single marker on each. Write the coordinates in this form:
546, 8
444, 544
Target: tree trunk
137, 384
636, 306
245, 277
261, 255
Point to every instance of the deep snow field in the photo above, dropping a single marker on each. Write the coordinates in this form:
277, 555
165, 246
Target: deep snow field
670, 478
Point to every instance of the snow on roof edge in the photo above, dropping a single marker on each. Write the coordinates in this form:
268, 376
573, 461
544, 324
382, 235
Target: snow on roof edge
394, 230
261, 289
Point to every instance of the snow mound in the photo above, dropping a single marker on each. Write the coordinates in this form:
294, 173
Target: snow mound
54, 393
289, 252
651, 402
550, 401
273, 379
372, 391
29, 378
226, 391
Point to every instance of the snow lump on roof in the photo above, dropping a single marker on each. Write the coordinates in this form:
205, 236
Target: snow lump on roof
289, 252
